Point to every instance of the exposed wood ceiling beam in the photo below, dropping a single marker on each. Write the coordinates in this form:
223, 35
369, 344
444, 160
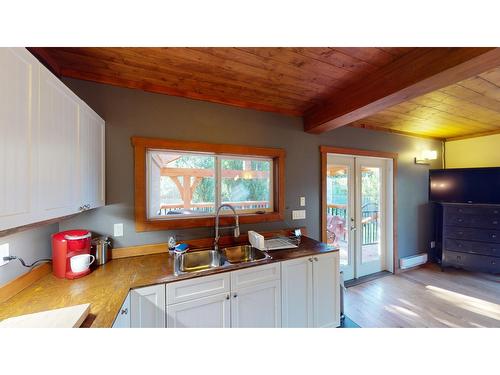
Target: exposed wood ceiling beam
417, 73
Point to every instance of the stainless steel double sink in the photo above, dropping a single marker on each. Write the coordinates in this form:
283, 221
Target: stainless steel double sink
208, 259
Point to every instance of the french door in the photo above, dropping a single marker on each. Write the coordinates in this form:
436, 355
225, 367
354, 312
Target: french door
357, 193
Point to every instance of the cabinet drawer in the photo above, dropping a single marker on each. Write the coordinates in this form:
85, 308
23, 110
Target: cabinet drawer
472, 234
474, 221
483, 248
254, 275
472, 210
186, 290
472, 262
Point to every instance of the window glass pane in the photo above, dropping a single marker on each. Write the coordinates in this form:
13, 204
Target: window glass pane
246, 183
180, 184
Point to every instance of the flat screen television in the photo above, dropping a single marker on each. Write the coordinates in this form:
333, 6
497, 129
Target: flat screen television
465, 185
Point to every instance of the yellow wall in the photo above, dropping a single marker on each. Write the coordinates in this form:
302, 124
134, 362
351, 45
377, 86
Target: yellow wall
473, 152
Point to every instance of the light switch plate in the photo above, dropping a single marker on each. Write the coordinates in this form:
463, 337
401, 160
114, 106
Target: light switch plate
118, 230
4, 252
302, 201
298, 214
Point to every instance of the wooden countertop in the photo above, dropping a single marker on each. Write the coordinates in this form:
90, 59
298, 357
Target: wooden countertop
107, 287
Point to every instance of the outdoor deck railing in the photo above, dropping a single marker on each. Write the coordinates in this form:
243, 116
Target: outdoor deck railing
370, 222
166, 209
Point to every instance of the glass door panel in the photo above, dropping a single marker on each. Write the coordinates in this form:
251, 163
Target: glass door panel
370, 203
339, 198
370, 223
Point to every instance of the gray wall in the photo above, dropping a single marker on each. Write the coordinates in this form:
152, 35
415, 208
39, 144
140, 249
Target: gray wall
135, 113
30, 245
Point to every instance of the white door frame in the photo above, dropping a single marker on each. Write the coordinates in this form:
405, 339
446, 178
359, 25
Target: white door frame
390, 262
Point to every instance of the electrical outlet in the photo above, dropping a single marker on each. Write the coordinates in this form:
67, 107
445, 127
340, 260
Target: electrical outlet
118, 230
302, 201
4, 252
298, 214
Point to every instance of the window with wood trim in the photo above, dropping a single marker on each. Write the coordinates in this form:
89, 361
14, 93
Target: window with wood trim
180, 184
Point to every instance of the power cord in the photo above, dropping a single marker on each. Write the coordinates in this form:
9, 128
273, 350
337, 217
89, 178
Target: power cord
12, 257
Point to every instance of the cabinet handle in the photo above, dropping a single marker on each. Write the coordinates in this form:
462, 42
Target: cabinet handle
315, 259
235, 295
124, 311
310, 260
81, 208
227, 296
493, 236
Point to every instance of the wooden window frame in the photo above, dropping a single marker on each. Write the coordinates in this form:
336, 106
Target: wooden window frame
142, 145
324, 151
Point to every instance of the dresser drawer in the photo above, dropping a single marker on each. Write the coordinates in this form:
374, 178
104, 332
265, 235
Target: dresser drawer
474, 221
472, 210
472, 234
483, 248
472, 262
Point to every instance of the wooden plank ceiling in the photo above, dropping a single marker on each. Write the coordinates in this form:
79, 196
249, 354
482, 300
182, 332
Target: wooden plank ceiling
467, 108
299, 81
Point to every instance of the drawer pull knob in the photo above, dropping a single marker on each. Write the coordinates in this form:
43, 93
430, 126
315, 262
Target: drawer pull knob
235, 295
495, 222
124, 311
227, 296
493, 236
460, 220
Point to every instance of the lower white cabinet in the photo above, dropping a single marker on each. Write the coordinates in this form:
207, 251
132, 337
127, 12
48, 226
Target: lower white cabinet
311, 291
250, 297
205, 312
147, 307
257, 306
303, 292
122, 320
297, 293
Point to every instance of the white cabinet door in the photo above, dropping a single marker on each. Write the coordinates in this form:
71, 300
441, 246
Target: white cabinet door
18, 137
297, 293
206, 312
122, 320
58, 152
91, 144
326, 290
257, 306
147, 307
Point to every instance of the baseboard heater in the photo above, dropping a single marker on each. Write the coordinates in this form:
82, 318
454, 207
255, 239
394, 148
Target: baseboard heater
412, 261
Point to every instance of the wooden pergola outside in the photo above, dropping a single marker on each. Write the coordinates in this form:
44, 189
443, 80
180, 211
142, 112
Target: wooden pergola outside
187, 180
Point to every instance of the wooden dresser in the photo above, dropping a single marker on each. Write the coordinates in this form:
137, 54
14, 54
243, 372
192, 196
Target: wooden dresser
470, 236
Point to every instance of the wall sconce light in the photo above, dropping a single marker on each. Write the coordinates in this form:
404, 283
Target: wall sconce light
426, 156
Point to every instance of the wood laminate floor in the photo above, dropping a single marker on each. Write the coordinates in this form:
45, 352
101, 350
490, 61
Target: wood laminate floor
426, 297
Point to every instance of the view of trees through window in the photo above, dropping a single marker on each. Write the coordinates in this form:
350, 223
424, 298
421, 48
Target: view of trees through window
186, 183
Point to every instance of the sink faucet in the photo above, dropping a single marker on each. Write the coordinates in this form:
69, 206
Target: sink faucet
236, 227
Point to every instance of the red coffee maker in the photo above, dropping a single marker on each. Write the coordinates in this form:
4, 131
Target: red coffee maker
66, 245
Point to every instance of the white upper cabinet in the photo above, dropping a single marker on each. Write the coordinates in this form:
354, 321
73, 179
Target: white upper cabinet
91, 142
18, 136
58, 151
51, 145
